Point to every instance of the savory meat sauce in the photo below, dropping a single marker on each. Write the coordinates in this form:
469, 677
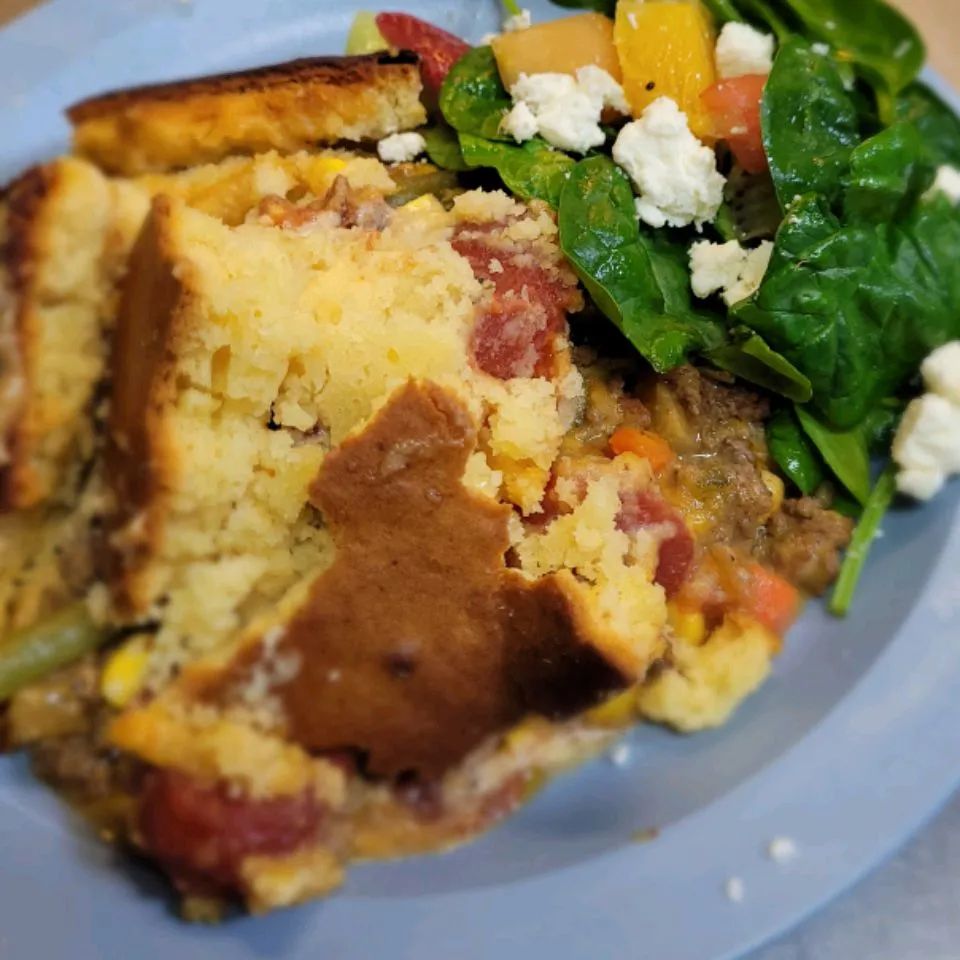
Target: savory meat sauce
735, 537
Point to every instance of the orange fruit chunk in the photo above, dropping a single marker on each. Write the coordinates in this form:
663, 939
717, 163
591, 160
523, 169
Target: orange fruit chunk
557, 46
666, 49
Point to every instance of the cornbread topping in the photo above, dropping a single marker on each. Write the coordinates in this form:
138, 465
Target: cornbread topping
419, 643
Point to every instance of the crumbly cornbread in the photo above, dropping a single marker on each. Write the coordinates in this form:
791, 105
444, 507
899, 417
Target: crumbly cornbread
228, 389
259, 367
287, 107
710, 679
65, 235
54, 224
230, 189
384, 565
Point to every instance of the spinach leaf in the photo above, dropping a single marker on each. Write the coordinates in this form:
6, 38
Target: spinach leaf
750, 358
472, 98
793, 452
750, 206
937, 125
879, 40
844, 452
758, 12
763, 13
863, 536
639, 278
723, 10
443, 147
609, 7
857, 307
533, 170
809, 122
888, 173
881, 424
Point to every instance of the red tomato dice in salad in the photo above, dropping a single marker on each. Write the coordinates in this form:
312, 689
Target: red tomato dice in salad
734, 106
437, 49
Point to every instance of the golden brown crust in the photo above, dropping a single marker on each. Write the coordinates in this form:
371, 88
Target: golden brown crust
419, 643
142, 382
287, 107
23, 201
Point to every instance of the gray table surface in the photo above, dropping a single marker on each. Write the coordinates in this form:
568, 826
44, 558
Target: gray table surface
907, 909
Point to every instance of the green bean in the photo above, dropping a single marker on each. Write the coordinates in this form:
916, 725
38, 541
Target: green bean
863, 536
30, 654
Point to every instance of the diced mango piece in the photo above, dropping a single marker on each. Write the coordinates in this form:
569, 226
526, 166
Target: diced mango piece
558, 46
666, 49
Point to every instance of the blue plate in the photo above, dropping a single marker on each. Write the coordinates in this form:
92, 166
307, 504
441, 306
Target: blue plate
849, 747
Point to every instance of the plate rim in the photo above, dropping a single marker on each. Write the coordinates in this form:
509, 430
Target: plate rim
759, 805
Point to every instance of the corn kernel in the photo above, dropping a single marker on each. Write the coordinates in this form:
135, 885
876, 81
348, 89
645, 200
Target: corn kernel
123, 674
687, 624
426, 202
618, 711
332, 164
775, 485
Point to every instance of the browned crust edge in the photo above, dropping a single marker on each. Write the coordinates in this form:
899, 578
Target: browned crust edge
151, 304
24, 199
334, 71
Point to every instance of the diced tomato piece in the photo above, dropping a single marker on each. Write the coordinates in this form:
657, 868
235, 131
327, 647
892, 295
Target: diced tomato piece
645, 508
769, 598
512, 338
437, 49
734, 106
514, 333
201, 833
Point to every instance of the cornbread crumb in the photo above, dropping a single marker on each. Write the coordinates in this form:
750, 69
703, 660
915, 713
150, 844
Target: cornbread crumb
621, 755
709, 680
782, 850
273, 882
480, 206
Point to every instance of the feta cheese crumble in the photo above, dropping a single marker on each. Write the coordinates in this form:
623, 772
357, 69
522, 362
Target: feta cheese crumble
520, 123
741, 50
947, 182
782, 850
519, 21
941, 371
735, 890
927, 445
401, 147
602, 88
565, 110
729, 268
674, 173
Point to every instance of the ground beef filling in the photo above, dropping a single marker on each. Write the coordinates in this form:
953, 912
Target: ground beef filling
805, 541
719, 492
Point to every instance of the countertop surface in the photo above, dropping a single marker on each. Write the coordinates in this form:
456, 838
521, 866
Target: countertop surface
908, 908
